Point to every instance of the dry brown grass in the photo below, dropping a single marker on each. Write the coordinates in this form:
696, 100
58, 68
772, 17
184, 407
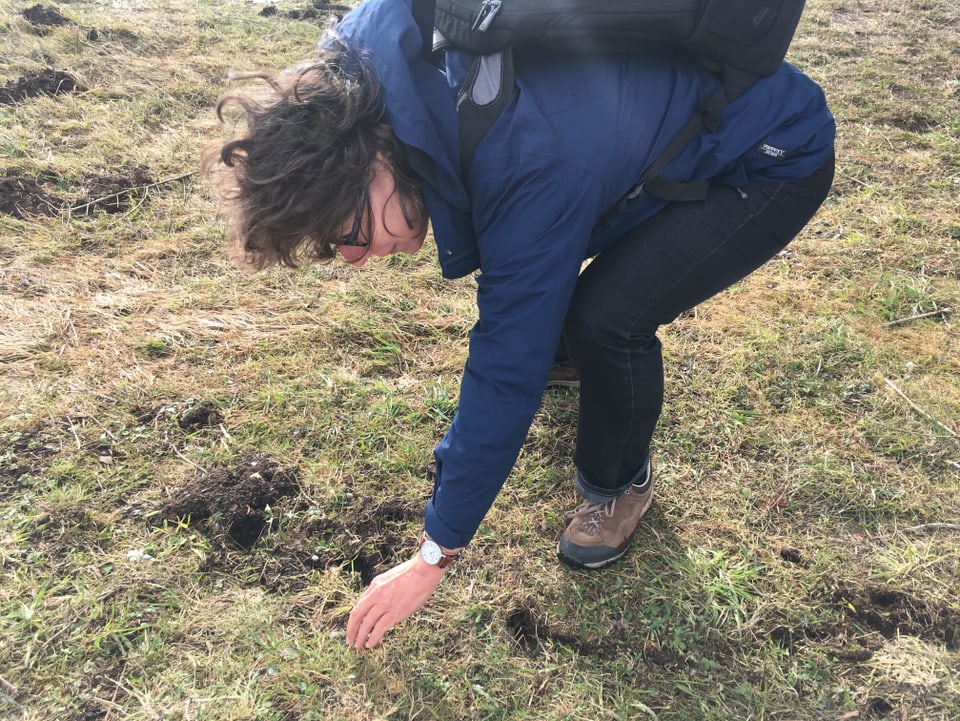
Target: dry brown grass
802, 560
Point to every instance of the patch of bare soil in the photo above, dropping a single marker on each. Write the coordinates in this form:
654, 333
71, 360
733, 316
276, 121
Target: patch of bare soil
367, 540
318, 9
189, 415
892, 612
839, 641
112, 193
529, 630
22, 196
43, 82
26, 454
869, 614
234, 501
90, 713
529, 633
910, 121
199, 417
42, 17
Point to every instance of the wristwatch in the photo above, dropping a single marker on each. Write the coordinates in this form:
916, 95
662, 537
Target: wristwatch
433, 555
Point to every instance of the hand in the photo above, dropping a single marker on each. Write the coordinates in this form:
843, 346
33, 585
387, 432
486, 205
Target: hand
390, 598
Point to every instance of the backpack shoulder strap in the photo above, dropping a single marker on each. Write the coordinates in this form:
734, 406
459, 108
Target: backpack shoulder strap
423, 15
488, 89
708, 117
734, 83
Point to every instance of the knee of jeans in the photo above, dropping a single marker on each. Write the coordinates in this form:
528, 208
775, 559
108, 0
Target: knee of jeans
585, 331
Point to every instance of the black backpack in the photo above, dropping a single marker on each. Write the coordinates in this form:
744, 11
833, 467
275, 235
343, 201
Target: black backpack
740, 40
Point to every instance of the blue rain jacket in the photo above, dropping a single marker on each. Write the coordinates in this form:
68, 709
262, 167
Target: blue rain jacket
578, 134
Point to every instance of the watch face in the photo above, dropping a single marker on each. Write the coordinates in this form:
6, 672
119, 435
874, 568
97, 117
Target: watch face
431, 553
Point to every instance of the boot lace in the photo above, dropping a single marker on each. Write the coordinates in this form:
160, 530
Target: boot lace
597, 512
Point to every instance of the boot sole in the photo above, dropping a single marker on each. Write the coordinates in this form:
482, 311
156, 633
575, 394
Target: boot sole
591, 566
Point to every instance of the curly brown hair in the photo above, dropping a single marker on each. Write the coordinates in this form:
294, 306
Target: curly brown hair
299, 166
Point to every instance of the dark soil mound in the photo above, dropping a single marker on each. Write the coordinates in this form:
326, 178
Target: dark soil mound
21, 196
43, 16
112, 193
234, 500
43, 82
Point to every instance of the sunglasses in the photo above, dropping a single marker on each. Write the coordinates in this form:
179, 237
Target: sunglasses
353, 237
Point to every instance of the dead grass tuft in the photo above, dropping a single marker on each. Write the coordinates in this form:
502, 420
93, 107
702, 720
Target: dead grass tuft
802, 557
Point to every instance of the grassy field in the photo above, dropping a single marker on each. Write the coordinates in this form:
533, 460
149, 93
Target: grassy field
201, 468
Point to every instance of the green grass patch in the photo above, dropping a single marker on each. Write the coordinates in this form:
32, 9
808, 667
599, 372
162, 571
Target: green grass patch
200, 469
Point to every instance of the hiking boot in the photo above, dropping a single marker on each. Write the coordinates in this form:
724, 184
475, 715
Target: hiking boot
563, 375
597, 534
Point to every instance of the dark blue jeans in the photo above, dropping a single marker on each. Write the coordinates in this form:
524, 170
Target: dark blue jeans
685, 254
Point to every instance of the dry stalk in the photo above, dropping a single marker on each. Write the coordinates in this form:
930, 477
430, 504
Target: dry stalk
926, 527
942, 313
128, 191
919, 410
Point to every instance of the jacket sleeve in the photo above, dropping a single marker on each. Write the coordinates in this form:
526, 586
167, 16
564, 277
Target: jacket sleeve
532, 240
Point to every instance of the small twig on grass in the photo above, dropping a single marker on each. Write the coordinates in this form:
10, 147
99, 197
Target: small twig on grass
110, 706
919, 410
925, 527
129, 191
136, 207
76, 436
943, 312
7, 685
184, 458
854, 180
13, 702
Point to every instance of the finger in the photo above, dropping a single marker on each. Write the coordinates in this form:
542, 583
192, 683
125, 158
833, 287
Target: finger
357, 615
369, 622
384, 624
353, 623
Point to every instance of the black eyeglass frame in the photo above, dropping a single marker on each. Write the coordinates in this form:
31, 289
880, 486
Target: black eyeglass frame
352, 239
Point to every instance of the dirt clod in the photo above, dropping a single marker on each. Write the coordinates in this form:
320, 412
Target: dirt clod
791, 555
892, 612
44, 16
877, 708
234, 500
112, 193
21, 197
43, 82
201, 416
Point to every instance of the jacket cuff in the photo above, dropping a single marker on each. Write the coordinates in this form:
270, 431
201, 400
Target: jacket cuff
441, 532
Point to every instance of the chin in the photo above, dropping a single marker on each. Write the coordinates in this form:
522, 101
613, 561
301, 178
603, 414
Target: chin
422, 236
414, 245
